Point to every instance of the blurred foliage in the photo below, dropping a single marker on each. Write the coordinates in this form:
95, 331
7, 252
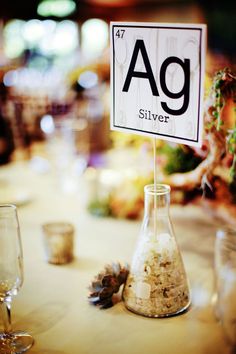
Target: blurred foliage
179, 159
99, 208
232, 150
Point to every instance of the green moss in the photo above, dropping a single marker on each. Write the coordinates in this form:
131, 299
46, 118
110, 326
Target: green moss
99, 208
232, 150
179, 159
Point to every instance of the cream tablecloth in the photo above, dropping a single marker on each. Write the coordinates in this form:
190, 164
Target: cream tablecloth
52, 304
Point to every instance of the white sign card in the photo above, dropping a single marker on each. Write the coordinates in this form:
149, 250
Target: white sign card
157, 80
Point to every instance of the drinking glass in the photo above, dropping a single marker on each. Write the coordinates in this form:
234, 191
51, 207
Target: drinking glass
67, 147
58, 242
11, 279
225, 268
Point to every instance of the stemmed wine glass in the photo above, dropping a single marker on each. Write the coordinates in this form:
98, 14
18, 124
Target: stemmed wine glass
11, 279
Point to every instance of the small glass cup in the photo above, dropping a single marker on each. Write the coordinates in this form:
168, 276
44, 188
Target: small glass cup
68, 150
58, 242
225, 271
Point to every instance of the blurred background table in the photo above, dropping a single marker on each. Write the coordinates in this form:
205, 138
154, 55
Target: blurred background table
53, 305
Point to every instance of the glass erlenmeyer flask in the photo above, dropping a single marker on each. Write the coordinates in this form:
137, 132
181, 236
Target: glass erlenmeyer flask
157, 285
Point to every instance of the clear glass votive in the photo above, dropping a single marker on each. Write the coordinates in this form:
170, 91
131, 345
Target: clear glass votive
58, 242
225, 271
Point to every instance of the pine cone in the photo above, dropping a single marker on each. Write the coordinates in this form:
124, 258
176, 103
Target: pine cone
107, 283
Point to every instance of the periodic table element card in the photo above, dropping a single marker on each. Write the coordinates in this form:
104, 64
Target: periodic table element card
157, 80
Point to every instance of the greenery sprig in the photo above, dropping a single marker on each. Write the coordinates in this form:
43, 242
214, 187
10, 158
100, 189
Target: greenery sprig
232, 150
224, 86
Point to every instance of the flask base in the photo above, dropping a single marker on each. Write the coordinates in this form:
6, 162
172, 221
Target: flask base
153, 315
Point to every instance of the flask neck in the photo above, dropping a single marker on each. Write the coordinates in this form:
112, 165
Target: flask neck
157, 200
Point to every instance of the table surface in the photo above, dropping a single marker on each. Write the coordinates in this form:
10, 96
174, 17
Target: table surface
52, 304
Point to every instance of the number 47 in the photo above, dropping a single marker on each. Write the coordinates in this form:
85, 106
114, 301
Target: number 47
120, 33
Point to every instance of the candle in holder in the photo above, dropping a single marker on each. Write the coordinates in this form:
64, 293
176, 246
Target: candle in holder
58, 242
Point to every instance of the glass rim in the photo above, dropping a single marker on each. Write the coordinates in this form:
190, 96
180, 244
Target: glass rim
226, 237
7, 209
60, 227
225, 230
158, 188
